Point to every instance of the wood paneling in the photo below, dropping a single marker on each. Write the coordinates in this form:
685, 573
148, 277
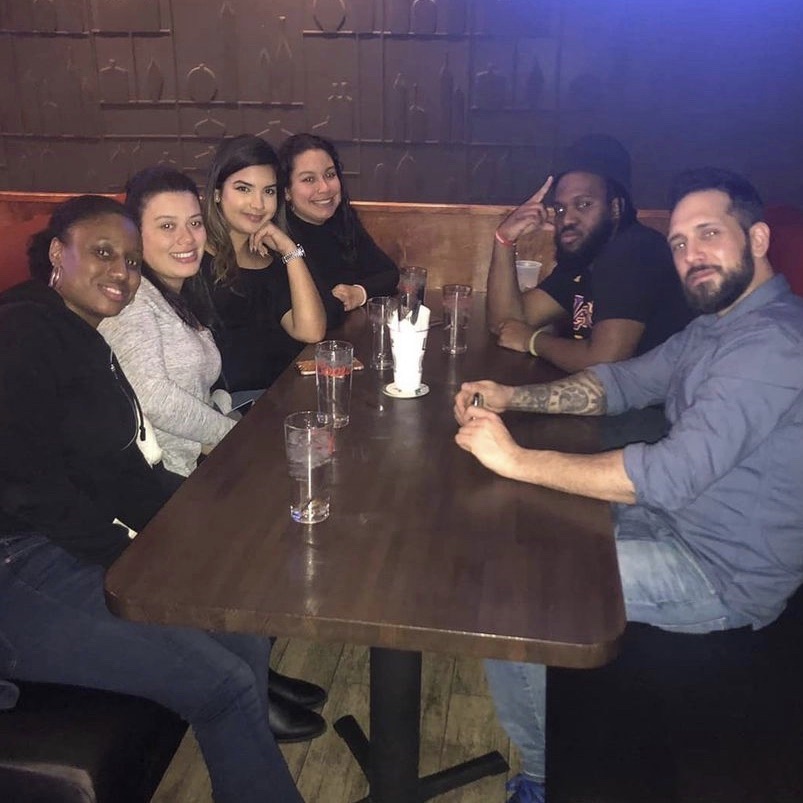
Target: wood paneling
458, 101
452, 241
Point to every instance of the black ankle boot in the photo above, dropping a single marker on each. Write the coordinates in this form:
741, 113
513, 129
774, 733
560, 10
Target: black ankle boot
291, 722
295, 690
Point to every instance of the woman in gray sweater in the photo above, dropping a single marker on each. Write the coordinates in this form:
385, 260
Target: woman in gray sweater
168, 354
165, 348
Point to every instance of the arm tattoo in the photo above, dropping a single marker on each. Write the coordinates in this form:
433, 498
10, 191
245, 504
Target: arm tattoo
579, 394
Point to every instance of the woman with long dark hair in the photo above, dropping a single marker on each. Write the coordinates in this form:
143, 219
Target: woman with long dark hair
163, 342
74, 487
265, 299
348, 266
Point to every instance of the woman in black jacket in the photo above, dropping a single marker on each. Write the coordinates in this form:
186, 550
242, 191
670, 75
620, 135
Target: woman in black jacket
74, 486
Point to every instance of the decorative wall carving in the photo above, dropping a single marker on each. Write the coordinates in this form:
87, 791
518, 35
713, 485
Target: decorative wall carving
429, 100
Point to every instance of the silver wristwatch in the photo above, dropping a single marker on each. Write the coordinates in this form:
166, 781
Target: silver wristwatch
298, 252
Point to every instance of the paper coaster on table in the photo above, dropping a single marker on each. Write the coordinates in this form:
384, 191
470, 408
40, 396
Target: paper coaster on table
392, 391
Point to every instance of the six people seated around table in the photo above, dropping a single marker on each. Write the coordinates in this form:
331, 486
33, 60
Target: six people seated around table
265, 300
169, 355
74, 482
708, 519
346, 263
613, 283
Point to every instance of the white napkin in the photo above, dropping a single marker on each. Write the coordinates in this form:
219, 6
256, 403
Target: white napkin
408, 341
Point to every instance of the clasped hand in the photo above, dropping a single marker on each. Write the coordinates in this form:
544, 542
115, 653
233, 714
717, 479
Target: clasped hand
350, 295
514, 335
482, 432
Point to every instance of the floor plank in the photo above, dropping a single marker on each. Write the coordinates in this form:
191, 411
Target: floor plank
457, 723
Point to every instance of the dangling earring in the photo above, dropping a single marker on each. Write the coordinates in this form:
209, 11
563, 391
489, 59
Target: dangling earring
217, 196
55, 275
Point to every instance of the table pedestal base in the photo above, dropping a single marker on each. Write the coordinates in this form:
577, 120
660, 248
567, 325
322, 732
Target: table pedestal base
390, 759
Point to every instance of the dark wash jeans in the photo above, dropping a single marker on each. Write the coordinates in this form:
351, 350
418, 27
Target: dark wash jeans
55, 627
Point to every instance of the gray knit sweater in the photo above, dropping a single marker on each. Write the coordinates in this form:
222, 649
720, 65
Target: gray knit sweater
171, 367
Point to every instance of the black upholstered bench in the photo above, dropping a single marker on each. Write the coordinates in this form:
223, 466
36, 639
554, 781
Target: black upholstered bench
678, 718
64, 744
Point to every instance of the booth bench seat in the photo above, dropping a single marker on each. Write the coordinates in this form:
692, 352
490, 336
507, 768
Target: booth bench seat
453, 241
64, 744
679, 718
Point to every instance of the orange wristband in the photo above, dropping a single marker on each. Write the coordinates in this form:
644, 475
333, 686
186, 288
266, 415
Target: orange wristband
503, 240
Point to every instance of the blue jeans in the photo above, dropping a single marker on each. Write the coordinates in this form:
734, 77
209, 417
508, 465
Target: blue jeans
662, 585
55, 627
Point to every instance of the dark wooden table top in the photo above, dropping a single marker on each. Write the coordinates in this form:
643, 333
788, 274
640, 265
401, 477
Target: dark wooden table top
424, 549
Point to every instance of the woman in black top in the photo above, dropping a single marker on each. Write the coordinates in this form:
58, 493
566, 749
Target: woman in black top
266, 301
266, 306
73, 484
347, 265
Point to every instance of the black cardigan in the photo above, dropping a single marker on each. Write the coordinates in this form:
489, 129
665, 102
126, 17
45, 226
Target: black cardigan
69, 462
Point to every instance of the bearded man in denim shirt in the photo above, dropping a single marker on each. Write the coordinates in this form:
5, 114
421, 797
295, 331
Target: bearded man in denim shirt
709, 522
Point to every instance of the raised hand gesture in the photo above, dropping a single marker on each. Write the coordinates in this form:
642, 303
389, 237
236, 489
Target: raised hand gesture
532, 215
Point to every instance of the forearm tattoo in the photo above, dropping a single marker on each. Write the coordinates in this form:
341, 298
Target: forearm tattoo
579, 394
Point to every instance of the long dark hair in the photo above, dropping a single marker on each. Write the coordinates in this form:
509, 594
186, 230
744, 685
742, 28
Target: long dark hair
348, 224
232, 156
64, 217
193, 305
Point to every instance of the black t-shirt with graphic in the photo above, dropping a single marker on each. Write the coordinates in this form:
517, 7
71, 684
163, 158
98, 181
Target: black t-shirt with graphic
633, 277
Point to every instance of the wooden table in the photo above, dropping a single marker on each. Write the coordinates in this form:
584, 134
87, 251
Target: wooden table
425, 550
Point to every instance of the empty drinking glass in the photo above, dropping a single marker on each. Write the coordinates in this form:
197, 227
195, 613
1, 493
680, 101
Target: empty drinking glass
378, 310
456, 310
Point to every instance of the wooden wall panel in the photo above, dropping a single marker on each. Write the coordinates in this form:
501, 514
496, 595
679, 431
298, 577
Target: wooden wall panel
429, 100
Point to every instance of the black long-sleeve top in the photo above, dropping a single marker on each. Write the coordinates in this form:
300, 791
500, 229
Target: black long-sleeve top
248, 331
332, 262
69, 462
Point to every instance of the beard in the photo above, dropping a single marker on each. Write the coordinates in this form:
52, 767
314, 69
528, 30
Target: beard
709, 299
584, 252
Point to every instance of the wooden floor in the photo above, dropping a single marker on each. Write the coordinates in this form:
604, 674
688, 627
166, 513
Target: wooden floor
457, 723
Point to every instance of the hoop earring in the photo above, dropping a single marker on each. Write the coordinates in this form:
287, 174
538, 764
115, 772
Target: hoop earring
55, 275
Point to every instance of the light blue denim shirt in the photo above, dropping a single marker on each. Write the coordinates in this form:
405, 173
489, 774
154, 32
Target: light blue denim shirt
728, 478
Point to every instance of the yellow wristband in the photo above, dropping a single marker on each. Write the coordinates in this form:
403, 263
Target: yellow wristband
531, 344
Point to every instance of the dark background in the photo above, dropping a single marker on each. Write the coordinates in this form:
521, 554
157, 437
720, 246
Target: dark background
428, 100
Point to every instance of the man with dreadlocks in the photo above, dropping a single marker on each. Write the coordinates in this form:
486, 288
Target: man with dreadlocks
614, 281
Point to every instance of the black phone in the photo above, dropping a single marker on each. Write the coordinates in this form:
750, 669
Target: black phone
244, 407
